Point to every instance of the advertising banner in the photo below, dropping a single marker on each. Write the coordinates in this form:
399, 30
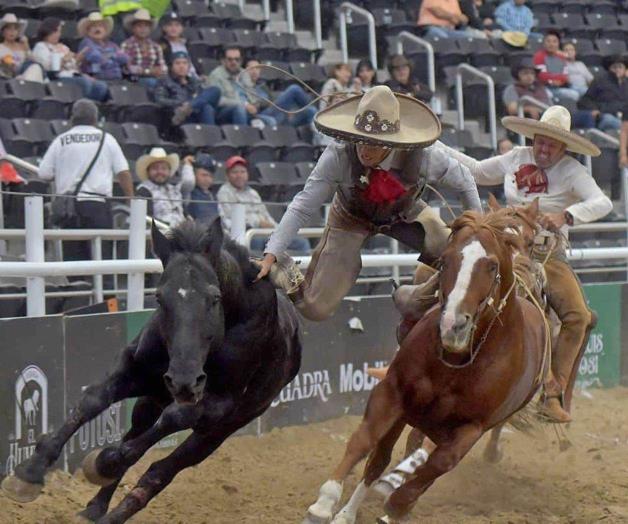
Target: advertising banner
31, 385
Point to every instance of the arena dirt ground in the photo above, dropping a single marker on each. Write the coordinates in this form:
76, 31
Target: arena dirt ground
274, 478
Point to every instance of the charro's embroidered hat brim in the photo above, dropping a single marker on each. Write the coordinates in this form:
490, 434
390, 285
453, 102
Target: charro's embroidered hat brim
555, 123
380, 117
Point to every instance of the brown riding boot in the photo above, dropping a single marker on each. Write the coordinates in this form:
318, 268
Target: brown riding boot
551, 403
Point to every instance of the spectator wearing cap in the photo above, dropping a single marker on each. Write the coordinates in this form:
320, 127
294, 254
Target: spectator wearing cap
290, 99
237, 102
608, 93
102, 58
146, 59
172, 40
579, 75
515, 15
403, 81
15, 53
161, 187
62, 64
66, 162
183, 94
441, 18
203, 206
526, 83
552, 65
237, 190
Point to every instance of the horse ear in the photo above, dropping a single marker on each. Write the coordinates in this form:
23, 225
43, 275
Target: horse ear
161, 245
214, 239
493, 204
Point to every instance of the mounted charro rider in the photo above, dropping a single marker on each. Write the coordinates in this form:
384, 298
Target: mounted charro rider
568, 195
376, 173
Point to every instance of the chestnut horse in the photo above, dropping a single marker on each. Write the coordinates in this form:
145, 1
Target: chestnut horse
467, 366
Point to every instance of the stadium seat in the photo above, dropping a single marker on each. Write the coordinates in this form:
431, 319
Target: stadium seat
277, 173
480, 51
604, 7
199, 136
574, 6
64, 92
25, 90
260, 152
60, 126
144, 137
216, 38
312, 74
115, 129
130, 103
35, 131
248, 40
204, 66
599, 21
298, 153
241, 136
610, 47
223, 150
233, 16
568, 21
544, 6
189, 9
207, 20
12, 106
304, 169
501, 75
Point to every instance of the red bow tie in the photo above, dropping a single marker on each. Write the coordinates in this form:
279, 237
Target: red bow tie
531, 177
383, 187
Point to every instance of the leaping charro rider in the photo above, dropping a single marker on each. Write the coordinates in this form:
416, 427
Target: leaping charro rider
568, 195
376, 173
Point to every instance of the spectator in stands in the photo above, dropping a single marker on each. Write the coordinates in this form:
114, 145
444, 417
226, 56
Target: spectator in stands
607, 94
486, 12
579, 75
184, 95
237, 105
440, 18
237, 190
15, 53
118, 9
62, 64
102, 58
159, 185
66, 162
475, 27
515, 15
338, 86
504, 146
172, 39
203, 206
367, 75
525, 74
292, 98
623, 139
552, 65
146, 59
403, 81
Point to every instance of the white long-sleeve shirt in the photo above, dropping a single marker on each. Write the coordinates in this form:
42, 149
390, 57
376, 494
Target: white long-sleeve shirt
333, 170
570, 186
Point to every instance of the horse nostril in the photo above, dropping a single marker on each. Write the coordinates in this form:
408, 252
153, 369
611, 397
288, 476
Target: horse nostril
462, 321
200, 381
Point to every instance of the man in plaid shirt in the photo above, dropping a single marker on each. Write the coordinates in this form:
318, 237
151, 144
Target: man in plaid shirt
146, 59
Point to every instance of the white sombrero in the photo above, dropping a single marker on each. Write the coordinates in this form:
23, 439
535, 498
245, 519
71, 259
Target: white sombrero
380, 117
555, 123
157, 154
141, 15
94, 18
10, 18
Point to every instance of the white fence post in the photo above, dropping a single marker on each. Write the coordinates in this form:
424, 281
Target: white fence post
238, 223
35, 286
137, 251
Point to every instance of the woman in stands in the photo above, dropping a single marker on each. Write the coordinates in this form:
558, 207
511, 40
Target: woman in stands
366, 74
15, 51
338, 85
62, 64
102, 58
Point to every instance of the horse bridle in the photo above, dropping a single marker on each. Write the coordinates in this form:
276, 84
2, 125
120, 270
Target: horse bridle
489, 301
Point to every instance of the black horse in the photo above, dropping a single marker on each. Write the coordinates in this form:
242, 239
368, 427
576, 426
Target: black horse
215, 354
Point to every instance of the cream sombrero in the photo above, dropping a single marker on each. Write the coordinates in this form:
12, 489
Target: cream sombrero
515, 38
157, 154
555, 123
141, 15
380, 117
94, 18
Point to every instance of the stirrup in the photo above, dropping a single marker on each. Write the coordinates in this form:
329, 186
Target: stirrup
555, 414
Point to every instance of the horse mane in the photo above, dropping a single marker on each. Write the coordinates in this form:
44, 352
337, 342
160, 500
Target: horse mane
188, 237
497, 223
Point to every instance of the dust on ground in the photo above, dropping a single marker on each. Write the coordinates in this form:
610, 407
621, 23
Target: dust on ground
274, 478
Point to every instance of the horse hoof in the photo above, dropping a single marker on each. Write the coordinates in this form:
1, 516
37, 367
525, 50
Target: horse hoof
91, 471
344, 518
493, 456
317, 516
80, 518
19, 490
89, 514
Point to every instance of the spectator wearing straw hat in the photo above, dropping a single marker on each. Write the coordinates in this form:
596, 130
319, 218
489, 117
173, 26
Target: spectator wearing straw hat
146, 59
159, 185
102, 58
67, 160
15, 56
203, 206
183, 94
62, 64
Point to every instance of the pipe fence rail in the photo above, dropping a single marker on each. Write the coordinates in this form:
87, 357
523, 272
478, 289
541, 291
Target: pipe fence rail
425, 44
347, 9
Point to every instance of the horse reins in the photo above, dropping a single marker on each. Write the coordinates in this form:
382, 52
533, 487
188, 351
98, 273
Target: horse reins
487, 302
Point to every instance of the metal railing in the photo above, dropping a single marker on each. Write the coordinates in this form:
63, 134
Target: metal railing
290, 16
490, 88
348, 8
431, 67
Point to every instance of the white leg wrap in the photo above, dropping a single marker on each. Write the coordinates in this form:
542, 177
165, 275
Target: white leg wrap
389, 483
349, 513
328, 497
